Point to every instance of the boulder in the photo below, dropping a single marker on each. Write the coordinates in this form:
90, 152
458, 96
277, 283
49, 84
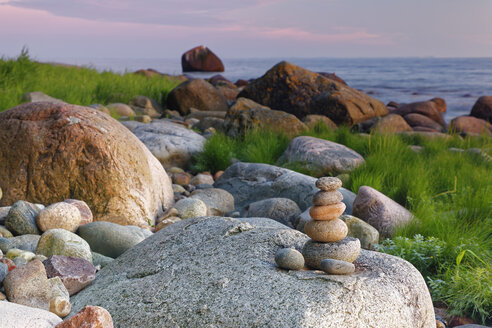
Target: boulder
282, 210
37, 96
50, 152
196, 93
229, 94
483, 108
380, 211
20, 316
89, 317
75, 273
333, 76
119, 109
419, 120
218, 201
28, 285
301, 92
246, 114
251, 182
470, 125
313, 120
216, 271
201, 59
171, 144
85, 211
112, 239
146, 106
321, 157
391, 123
24, 242
63, 242
21, 219
427, 108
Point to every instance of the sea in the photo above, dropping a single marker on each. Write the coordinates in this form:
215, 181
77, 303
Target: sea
460, 81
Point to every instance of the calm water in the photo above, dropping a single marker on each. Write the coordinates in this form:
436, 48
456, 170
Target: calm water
460, 81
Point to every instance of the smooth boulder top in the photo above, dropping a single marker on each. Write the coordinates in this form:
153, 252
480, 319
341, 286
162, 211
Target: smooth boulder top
215, 271
20, 316
53, 151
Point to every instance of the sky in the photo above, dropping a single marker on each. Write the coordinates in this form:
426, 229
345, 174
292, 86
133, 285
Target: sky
246, 28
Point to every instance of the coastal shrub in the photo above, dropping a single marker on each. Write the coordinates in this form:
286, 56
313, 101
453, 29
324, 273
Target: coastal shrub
75, 85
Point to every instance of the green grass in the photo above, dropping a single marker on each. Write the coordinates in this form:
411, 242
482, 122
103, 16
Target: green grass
450, 194
75, 85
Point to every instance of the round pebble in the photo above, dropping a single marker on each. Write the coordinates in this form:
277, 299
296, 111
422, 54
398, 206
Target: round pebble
59, 216
327, 198
191, 208
346, 249
328, 183
326, 231
332, 266
290, 259
327, 212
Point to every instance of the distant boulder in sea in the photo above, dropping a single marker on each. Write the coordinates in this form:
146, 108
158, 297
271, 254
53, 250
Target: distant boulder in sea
201, 59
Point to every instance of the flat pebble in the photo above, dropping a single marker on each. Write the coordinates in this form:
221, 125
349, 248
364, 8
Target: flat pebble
346, 249
290, 259
328, 183
326, 231
332, 266
327, 198
327, 212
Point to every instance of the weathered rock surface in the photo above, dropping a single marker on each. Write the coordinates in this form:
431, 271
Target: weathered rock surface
21, 219
75, 273
20, 316
24, 242
63, 242
112, 239
483, 108
90, 156
283, 210
246, 114
28, 285
321, 157
196, 93
251, 182
201, 59
301, 92
171, 144
218, 201
380, 211
202, 270
470, 125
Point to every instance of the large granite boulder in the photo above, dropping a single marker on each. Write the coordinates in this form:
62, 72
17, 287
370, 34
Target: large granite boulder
50, 152
483, 108
321, 157
215, 271
196, 93
246, 114
172, 144
301, 92
201, 59
251, 182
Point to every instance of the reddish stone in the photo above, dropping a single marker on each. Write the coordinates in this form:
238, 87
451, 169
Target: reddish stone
426, 108
84, 209
218, 174
483, 108
470, 125
201, 59
74, 272
415, 119
10, 264
459, 321
441, 104
241, 83
89, 317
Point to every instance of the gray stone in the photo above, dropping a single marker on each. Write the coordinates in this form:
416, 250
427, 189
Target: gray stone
4, 210
289, 259
346, 249
4, 269
170, 143
191, 208
201, 178
220, 272
218, 201
63, 242
21, 219
283, 210
332, 266
251, 182
321, 157
5, 233
20, 261
380, 211
101, 260
357, 228
112, 239
24, 242
21, 316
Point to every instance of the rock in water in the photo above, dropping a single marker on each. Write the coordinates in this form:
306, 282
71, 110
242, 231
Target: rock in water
301, 92
201, 59
217, 271
50, 152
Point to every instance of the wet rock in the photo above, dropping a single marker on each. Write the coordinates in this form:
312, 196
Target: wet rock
201, 59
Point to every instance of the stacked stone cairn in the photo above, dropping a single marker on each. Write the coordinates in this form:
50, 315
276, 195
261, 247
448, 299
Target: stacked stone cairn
329, 249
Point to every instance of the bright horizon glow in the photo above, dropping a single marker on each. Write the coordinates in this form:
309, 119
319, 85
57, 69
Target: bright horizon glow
251, 29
